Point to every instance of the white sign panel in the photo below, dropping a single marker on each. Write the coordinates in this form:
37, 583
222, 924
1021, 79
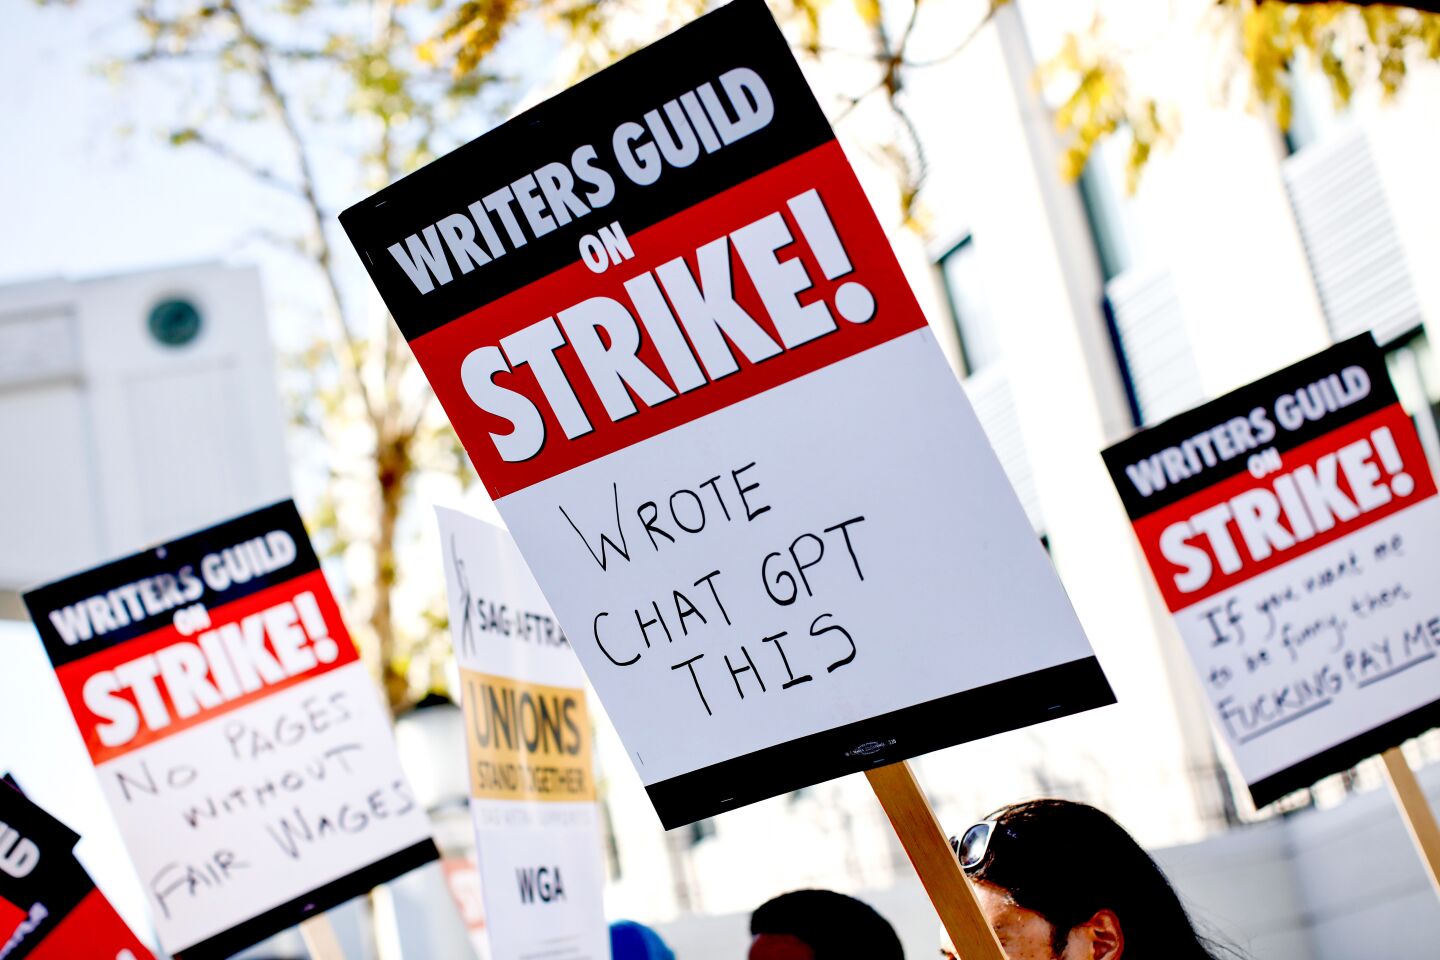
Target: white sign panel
531, 753
238, 738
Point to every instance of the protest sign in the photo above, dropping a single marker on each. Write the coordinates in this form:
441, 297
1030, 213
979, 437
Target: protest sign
673, 338
1294, 532
530, 745
238, 739
462, 879
50, 909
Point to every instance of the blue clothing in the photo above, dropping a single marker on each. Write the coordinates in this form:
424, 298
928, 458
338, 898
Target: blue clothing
634, 941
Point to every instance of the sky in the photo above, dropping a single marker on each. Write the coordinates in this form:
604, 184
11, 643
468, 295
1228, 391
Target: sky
80, 197
91, 188
76, 200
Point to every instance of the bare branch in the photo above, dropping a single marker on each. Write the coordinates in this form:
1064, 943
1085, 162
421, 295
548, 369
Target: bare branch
323, 253
969, 39
230, 155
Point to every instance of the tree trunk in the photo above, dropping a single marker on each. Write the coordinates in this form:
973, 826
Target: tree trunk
394, 466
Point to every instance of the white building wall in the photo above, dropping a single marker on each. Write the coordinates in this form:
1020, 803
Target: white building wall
1213, 221
113, 440
995, 156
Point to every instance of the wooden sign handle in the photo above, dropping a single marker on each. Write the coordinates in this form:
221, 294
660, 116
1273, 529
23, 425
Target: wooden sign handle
929, 851
319, 936
1415, 810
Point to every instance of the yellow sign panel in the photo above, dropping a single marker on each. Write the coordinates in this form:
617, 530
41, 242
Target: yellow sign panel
526, 741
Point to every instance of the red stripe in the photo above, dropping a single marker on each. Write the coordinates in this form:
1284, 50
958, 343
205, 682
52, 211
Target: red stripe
10, 918
73, 676
93, 929
1150, 527
825, 168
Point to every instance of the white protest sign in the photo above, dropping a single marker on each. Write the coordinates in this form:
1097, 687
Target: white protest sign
531, 752
239, 740
462, 877
1294, 531
702, 395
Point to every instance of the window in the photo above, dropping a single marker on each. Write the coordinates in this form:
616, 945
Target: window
1141, 307
1313, 115
1413, 369
965, 289
701, 830
1357, 257
1109, 208
612, 844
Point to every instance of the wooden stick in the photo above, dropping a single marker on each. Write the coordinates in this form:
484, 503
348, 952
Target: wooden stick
319, 936
929, 851
1415, 811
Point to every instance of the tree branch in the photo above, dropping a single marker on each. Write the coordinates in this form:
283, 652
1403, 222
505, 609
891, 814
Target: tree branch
323, 253
994, 8
224, 152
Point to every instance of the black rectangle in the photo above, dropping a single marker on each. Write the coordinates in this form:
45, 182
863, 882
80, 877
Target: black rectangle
53, 879
1263, 394
312, 904
739, 35
1009, 704
168, 559
1345, 755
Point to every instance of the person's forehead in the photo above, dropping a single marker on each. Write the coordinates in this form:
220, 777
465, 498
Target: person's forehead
1001, 912
993, 899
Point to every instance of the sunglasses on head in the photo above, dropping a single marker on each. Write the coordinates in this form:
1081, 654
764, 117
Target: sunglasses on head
971, 846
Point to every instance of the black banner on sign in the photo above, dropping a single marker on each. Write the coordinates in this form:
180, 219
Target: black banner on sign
313, 904
1196, 449
50, 909
915, 731
38, 870
566, 168
100, 608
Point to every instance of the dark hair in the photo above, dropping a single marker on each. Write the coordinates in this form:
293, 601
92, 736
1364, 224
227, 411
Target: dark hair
1068, 861
833, 925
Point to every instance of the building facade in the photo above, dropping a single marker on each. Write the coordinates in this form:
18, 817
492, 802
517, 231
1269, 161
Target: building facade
133, 409
1075, 313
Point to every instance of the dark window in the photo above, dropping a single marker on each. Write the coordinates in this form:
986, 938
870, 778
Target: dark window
1412, 365
1313, 115
961, 271
612, 845
1102, 204
701, 830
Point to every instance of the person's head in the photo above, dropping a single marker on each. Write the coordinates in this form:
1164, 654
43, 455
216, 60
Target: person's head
820, 925
1062, 881
635, 941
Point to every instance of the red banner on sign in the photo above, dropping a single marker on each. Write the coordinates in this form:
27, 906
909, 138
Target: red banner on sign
785, 273
1310, 496
159, 684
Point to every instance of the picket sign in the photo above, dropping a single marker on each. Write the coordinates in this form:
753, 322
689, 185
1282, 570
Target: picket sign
929, 851
320, 940
207, 675
1415, 810
685, 316
1313, 626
